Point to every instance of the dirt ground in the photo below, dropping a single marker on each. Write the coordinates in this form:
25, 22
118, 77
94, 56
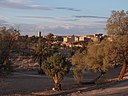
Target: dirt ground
29, 83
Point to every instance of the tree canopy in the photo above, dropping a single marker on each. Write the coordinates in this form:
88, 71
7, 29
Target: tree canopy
117, 27
7, 42
56, 66
117, 24
78, 64
97, 57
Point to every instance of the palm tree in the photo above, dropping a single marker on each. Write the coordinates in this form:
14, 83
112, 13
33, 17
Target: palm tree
40, 54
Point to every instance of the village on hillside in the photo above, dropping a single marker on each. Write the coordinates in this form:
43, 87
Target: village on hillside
70, 41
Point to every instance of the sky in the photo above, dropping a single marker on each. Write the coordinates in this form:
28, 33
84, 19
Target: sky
60, 17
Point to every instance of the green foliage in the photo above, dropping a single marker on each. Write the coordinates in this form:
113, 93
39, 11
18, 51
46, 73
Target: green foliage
56, 66
77, 58
25, 45
49, 37
78, 64
44, 49
117, 27
40, 52
120, 49
7, 42
97, 57
117, 24
77, 74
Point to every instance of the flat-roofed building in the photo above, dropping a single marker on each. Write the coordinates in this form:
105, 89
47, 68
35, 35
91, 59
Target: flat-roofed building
82, 38
76, 38
67, 39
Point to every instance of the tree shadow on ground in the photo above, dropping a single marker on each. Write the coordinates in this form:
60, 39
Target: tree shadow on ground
94, 87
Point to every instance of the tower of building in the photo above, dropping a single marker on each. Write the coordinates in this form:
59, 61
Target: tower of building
39, 34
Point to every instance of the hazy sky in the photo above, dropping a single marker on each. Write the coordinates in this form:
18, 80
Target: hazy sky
61, 17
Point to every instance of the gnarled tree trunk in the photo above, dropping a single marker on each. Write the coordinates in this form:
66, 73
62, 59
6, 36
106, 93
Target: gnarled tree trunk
57, 83
97, 78
40, 64
122, 72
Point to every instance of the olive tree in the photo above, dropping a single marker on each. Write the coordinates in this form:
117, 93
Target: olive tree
7, 42
120, 53
56, 66
78, 65
97, 58
117, 24
117, 27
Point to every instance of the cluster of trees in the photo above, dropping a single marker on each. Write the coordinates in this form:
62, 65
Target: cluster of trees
95, 56
103, 55
51, 61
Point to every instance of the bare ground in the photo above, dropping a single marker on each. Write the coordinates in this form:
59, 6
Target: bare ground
29, 83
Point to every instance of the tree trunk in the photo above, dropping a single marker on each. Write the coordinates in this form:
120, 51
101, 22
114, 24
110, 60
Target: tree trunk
94, 81
57, 84
40, 64
97, 78
122, 71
